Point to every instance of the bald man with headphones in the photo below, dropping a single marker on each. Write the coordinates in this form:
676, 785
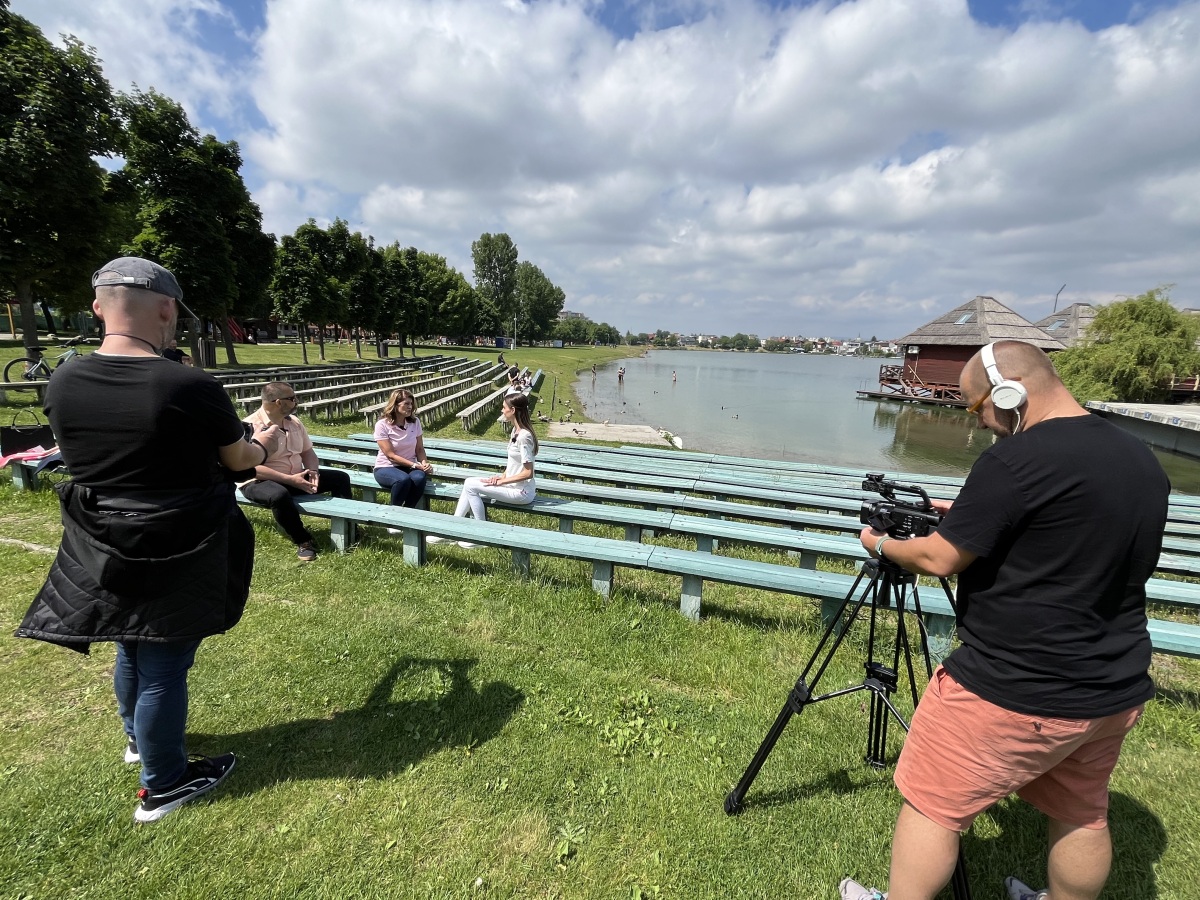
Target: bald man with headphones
1053, 537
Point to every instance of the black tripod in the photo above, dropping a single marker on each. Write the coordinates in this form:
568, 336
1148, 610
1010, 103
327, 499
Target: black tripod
888, 585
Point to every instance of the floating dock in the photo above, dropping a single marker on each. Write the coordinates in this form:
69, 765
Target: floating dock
1167, 426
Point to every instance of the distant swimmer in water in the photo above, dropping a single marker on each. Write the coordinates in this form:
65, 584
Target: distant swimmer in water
674, 377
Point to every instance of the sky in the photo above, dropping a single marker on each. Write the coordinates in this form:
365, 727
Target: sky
844, 169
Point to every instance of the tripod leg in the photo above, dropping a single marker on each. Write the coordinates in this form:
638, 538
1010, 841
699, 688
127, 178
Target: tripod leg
960, 884
797, 699
801, 694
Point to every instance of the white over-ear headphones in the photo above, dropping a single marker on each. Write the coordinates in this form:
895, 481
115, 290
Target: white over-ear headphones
1005, 394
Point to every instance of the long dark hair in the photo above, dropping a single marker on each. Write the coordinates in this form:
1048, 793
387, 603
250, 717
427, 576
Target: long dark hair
391, 409
519, 404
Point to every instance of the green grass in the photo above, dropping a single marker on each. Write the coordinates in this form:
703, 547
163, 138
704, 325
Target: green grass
408, 732
452, 731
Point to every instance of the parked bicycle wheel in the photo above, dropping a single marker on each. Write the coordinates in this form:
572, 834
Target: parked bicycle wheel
24, 369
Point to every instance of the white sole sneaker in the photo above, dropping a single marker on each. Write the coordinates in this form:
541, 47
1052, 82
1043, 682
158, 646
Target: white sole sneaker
1019, 890
434, 539
203, 773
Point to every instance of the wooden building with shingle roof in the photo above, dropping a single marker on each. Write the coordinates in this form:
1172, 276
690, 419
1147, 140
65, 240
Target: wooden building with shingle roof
1068, 325
934, 354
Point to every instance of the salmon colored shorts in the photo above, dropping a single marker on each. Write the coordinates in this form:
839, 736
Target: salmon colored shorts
963, 754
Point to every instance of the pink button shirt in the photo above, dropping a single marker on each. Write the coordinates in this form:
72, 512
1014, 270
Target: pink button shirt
286, 458
403, 440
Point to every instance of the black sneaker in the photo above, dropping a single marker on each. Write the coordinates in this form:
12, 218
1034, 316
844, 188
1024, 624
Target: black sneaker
131, 752
306, 552
203, 774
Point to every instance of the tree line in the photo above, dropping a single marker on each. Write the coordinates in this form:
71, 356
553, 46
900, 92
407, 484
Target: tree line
179, 198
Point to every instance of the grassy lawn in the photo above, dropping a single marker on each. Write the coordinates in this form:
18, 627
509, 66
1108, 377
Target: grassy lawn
452, 731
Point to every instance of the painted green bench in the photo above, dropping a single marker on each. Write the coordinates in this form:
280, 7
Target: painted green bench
694, 567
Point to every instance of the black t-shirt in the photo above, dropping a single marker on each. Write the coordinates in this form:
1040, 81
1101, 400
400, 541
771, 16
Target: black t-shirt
1067, 522
139, 422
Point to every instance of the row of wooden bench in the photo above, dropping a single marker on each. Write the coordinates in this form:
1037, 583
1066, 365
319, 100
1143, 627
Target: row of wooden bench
330, 381
710, 520
693, 566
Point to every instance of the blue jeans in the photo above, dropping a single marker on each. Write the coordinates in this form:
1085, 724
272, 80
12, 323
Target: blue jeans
407, 486
150, 680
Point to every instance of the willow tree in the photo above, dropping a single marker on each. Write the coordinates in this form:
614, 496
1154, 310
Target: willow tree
1132, 351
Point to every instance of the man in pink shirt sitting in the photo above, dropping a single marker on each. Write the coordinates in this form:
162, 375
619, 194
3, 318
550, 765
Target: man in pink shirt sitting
291, 469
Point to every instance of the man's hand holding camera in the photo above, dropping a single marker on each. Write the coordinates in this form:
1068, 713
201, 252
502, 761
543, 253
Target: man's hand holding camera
906, 529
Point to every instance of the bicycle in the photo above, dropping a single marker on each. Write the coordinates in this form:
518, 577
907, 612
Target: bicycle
27, 368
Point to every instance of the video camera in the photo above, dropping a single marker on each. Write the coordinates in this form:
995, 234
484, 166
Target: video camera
893, 516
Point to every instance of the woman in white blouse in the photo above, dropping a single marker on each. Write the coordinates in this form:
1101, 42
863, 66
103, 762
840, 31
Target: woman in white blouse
516, 485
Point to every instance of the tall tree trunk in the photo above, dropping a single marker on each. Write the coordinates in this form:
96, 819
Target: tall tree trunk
302, 330
321, 340
227, 335
29, 331
357, 343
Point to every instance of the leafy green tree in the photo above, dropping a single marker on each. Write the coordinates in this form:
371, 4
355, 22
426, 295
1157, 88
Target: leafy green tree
495, 260
348, 262
574, 331
446, 302
606, 334
56, 115
539, 301
194, 212
1132, 351
397, 286
458, 314
301, 290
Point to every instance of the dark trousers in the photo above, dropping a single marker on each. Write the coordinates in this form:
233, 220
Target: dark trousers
406, 486
278, 498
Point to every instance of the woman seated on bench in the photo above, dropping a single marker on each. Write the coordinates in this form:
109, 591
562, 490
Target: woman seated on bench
516, 485
401, 465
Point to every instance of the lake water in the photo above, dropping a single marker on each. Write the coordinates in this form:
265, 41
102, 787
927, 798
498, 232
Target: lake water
796, 407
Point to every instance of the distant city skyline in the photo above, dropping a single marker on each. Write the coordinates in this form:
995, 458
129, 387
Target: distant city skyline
786, 166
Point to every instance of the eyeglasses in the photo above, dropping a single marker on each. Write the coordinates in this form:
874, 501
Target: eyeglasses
977, 405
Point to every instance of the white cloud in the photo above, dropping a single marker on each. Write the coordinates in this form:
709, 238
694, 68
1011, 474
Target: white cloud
827, 169
155, 44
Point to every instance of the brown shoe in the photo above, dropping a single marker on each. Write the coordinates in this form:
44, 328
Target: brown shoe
306, 552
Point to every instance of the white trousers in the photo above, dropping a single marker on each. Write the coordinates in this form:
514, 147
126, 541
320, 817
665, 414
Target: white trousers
474, 490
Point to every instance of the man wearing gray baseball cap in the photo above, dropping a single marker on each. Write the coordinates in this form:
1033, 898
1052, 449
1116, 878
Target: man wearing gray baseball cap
155, 553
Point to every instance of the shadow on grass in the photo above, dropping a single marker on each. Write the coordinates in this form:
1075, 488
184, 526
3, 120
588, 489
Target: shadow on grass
378, 739
1139, 841
1187, 699
836, 782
